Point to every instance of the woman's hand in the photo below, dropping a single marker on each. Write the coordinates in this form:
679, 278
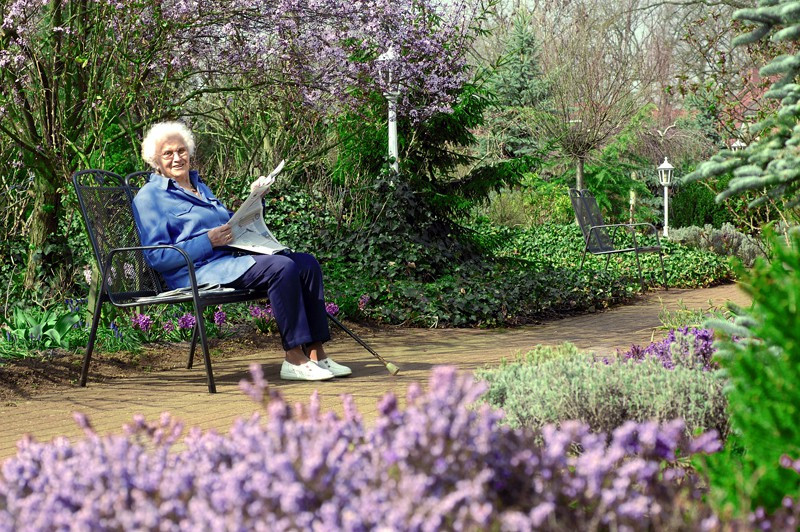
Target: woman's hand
220, 236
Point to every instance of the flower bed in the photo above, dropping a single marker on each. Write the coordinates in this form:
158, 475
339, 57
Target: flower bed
438, 463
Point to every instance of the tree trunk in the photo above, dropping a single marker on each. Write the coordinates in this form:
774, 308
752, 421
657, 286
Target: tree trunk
579, 182
46, 248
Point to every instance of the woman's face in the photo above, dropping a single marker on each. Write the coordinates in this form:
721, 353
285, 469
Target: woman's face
172, 157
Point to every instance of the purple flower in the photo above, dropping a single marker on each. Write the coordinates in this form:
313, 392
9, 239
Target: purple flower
690, 347
261, 312
442, 461
169, 326
363, 301
219, 316
115, 329
187, 321
142, 322
332, 308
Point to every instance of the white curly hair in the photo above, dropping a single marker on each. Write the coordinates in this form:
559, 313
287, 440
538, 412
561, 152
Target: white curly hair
160, 132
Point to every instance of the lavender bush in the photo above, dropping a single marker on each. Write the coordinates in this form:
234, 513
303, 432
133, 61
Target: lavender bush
442, 462
690, 347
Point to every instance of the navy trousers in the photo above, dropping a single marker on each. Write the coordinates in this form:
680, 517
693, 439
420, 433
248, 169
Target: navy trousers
294, 284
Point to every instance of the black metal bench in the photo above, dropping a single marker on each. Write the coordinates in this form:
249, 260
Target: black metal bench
603, 239
127, 280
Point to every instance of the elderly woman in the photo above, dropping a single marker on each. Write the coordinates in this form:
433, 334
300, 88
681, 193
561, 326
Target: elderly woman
176, 207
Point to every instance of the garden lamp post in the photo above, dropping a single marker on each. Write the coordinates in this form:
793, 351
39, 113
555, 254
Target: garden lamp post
665, 178
391, 95
738, 145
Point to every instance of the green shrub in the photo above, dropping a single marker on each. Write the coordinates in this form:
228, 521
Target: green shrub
764, 371
695, 204
553, 385
560, 246
534, 202
548, 203
475, 295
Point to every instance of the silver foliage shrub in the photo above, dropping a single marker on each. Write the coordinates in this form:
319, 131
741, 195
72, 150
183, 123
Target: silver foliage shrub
556, 384
725, 241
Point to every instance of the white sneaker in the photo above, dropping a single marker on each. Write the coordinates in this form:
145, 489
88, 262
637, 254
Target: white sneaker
304, 372
337, 369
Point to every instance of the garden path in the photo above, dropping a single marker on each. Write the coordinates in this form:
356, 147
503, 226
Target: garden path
183, 392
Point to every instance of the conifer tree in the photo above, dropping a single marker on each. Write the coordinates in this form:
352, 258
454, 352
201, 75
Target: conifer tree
519, 87
772, 162
520, 81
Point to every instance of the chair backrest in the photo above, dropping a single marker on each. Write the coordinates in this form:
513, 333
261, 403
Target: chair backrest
106, 205
136, 180
588, 215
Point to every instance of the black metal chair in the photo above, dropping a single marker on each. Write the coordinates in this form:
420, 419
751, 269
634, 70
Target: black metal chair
604, 239
127, 280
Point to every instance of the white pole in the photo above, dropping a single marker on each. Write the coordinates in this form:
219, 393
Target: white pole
666, 211
391, 97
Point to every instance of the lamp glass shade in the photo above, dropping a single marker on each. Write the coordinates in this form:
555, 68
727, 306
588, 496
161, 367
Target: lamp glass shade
665, 173
384, 69
738, 145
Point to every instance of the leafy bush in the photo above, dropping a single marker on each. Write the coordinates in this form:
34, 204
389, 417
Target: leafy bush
440, 463
560, 246
725, 241
41, 329
566, 385
684, 316
763, 370
475, 295
535, 202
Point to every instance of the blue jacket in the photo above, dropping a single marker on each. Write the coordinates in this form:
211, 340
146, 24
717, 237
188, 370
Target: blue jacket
167, 214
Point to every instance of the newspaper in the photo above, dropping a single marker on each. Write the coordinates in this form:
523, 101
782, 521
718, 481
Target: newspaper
204, 289
248, 229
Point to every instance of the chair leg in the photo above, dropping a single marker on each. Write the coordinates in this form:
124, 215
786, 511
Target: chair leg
190, 363
663, 271
92, 337
201, 331
638, 262
608, 259
639, 266
583, 256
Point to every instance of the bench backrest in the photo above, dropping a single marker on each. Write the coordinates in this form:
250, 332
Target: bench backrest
106, 205
588, 215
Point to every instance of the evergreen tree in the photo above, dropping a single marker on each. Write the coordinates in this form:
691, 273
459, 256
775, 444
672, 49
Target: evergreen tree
771, 163
761, 366
519, 87
519, 81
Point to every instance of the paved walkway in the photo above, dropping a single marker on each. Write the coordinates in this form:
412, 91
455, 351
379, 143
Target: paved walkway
415, 351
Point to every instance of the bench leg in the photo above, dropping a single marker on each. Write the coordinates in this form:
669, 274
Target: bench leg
92, 337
